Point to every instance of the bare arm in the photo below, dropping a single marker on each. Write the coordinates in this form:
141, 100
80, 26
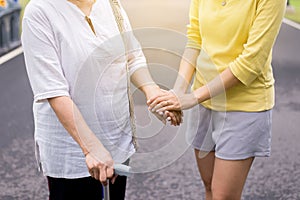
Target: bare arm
186, 69
98, 159
142, 79
178, 100
217, 86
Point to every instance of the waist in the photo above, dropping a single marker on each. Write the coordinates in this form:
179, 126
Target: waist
255, 98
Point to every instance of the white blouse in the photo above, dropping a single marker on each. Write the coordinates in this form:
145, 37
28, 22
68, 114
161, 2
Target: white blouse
65, 58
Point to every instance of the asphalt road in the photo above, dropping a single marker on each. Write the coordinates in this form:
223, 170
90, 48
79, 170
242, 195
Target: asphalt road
168, 176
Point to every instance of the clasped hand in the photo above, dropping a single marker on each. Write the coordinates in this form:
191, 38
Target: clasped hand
101, 167
170, 105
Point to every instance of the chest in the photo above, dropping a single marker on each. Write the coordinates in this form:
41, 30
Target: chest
226, 18
75, 38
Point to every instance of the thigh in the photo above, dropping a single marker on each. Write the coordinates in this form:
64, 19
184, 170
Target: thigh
229, 178
205, 162
81, 188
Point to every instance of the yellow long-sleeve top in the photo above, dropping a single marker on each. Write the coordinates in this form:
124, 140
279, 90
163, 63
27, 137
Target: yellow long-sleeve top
238, 34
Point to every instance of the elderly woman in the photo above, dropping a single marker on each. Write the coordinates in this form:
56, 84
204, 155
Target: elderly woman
78, 70
229, 51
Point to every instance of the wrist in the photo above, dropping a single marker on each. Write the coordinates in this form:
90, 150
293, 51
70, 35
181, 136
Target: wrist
150, 90
177, 91
85, 152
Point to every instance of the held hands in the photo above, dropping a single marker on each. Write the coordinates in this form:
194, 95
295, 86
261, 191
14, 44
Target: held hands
174, 117
169, 101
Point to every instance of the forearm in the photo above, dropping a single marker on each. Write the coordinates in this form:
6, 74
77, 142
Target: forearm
217, 86
72, 120
142, 79
186, 70
179, 100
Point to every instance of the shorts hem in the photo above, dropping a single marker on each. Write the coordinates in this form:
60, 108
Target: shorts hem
203, 149
234, 156
242, 156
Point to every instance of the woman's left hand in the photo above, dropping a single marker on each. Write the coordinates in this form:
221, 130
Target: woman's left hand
169, 101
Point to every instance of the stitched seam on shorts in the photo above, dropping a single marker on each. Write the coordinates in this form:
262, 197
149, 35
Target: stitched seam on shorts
257, 153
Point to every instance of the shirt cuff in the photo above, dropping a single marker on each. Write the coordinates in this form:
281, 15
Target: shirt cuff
245, 75
50, 94
193, 44
137, 65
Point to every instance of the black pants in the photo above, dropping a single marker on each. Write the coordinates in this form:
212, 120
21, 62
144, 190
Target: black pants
84, 189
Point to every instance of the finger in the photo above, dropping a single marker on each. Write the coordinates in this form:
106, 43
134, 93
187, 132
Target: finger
164, 92
149, 101
167, 116
109, 172
160, 105
91, 173
153, 104
171, 117
176, 117
169, 108
174, 121
160, 117
113, 180
161, 114
95, 173
163, 120
158, 100
179, 118
103, 176
153, 98
162, 102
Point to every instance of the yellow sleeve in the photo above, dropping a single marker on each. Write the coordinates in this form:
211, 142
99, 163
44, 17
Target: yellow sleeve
249, 64
193, 33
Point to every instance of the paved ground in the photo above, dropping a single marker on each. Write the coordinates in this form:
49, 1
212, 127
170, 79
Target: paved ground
170, 175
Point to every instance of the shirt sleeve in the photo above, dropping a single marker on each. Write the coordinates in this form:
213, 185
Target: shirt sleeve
193, 31
41, 57
136, 57
250, 63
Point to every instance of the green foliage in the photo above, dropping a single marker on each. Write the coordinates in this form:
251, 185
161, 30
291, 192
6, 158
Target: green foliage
293, 13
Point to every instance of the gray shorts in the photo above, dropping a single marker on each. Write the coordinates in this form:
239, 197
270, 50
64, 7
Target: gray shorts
233, 135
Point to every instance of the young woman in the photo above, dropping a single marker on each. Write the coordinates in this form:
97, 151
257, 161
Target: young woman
229, 51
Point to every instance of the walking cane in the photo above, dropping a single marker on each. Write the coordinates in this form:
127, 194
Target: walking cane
106, 191
121, 170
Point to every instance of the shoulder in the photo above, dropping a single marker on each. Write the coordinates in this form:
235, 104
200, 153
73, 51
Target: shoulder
272, 3
37, 10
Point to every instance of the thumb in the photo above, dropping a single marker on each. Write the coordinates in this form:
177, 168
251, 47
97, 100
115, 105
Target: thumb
113, 179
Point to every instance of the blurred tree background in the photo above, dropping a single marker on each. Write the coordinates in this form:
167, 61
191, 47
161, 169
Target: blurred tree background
293, 10
23, 4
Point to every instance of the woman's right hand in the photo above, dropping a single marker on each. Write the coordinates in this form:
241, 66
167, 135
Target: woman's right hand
100, 167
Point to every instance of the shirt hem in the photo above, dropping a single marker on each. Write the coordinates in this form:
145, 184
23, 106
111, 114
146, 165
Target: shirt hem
78, 175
